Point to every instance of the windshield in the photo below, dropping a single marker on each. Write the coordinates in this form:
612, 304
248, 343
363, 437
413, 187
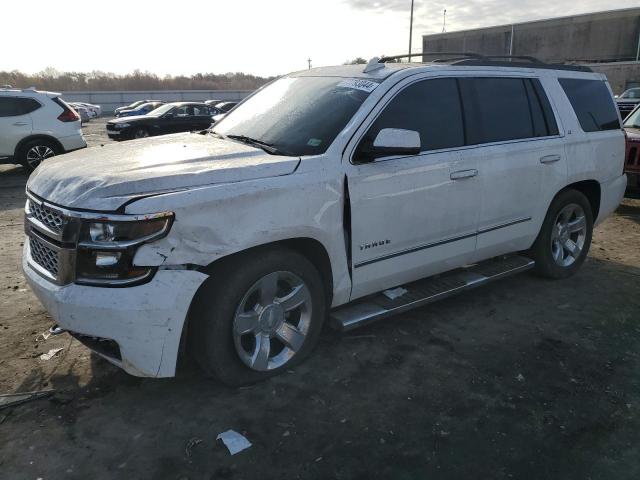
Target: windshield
161, 110
633, 120
298, 115
631, 93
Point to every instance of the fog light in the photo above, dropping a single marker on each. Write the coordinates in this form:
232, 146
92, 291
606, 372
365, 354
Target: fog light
107, 259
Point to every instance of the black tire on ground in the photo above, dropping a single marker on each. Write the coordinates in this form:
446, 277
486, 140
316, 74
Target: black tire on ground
211, 317
542, 251
44, 148
140, 132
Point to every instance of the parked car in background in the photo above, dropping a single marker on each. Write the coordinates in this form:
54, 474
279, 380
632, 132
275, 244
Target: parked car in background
131, 106
218, 117
83, 111
36, 125
139, 110
632, 162
628, 101
169, 118
314, 200
212, 103
225, 107
94, 110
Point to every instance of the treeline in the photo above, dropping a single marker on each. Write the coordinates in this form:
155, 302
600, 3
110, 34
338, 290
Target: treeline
51, 79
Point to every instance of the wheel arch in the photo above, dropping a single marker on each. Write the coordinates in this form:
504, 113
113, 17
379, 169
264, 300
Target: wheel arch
40, 136
590, 189
312, 249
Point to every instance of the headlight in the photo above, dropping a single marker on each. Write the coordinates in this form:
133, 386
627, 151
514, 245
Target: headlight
122, 125
106, 248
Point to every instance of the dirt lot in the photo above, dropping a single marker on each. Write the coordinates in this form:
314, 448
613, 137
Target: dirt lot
522, 379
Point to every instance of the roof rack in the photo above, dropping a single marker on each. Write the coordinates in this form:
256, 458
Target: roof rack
477, 60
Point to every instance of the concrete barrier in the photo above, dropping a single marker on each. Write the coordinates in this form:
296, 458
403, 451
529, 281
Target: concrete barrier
109, 101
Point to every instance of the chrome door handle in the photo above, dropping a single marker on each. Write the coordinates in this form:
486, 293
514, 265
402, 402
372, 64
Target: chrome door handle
463, 174
19, 124
549, 159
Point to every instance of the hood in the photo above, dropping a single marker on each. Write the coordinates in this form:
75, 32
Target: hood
130, 118
103, 178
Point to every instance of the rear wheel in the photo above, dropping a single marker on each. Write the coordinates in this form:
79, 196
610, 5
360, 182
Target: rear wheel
565, 237
34, 152
257, 316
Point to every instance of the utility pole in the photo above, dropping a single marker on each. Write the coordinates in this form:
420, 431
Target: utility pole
309, 62
410, 31
444, 21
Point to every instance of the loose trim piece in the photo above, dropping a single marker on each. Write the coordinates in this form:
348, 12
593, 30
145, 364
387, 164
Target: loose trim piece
440, 242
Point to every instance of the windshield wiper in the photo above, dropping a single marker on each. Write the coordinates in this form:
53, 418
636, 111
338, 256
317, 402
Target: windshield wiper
267, 147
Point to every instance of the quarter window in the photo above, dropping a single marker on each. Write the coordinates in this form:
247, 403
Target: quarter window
15, 106
430, 107
592, 102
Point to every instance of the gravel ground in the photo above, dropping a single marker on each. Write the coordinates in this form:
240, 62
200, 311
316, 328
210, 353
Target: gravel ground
524, 378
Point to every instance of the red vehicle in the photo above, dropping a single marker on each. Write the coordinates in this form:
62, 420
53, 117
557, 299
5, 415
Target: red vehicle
632, 162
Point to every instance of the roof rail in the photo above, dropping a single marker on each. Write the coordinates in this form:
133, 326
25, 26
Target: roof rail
477, 60
386, 59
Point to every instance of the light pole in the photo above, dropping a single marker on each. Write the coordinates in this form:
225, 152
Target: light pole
410, 31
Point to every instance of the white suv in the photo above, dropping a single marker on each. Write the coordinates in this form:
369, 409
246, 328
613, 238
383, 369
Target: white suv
349, 193
36, 125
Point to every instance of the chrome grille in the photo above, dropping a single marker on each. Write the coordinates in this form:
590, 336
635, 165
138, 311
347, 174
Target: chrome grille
47, 216
44, 256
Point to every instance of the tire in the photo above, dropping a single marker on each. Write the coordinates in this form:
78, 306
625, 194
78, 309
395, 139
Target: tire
565, 236
139, 132
33, 152
239, 297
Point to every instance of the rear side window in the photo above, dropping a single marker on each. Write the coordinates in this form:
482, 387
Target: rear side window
592, 103
430, 107
15, 106
496, 109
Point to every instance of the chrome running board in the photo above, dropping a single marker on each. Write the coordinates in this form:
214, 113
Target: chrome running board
421, 292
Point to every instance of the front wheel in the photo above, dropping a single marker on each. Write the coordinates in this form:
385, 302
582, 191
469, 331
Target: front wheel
140, 133
565, 237
257, 316
33, 153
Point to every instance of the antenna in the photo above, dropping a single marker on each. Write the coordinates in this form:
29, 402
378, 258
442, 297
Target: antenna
444, 21
411, 27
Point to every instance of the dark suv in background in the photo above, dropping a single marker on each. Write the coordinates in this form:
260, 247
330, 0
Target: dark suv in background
169, 118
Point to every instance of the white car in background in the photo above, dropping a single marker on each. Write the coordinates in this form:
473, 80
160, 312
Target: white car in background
94, 110
36, 125
84, 113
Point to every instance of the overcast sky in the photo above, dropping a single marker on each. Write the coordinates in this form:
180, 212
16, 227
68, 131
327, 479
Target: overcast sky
253, 36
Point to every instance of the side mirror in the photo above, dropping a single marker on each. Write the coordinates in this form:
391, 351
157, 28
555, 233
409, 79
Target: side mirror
389, 142
168, 115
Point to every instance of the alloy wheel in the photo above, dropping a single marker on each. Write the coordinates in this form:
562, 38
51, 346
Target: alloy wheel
272, 321
568, 235
37, 153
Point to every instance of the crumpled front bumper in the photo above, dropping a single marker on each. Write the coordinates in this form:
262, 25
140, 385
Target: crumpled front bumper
145, 321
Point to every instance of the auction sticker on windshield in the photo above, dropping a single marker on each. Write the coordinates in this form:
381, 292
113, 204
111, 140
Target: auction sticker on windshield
359, 84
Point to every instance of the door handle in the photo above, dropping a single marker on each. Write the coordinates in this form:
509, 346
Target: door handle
460, 174
549, 159
20, 124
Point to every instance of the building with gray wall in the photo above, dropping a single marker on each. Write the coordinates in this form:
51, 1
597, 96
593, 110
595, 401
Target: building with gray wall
608, 42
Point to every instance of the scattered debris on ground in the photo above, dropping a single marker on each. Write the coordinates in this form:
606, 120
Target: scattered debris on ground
234, 441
